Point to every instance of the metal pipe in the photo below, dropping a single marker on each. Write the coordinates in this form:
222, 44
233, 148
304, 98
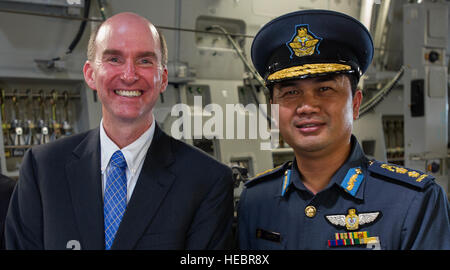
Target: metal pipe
366, 13
241, 55
381, 94
251, 69
100, 20
380, 31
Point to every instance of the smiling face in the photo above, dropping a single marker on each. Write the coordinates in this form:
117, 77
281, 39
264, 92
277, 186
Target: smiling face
316, 114
126, 70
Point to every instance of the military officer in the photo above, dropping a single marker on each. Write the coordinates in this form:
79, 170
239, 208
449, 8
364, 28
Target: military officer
331, 196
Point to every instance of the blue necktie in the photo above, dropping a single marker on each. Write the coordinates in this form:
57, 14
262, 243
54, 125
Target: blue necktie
115, 200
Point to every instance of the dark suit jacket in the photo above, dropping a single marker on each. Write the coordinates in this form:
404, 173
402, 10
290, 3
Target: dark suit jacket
183, 198
6, 188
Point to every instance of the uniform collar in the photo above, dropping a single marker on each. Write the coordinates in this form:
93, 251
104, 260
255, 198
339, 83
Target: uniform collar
342, 178
352, 176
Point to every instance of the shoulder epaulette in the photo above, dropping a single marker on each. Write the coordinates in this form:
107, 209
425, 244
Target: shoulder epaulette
270, 172
408, 176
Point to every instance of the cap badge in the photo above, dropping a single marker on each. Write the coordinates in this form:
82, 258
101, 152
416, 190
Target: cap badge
303, 43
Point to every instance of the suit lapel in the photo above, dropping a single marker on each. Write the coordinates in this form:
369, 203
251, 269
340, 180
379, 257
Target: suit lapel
84, 177
151, 188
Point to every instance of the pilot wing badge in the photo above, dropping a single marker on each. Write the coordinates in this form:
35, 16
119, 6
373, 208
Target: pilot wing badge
304, 42
352, 221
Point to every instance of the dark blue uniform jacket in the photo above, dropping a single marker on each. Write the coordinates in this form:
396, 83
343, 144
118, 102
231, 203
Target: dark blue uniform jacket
367, 204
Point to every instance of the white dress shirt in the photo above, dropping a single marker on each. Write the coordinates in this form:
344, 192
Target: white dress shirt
134, 154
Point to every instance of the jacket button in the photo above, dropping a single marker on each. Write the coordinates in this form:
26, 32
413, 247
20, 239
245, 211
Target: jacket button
310, 211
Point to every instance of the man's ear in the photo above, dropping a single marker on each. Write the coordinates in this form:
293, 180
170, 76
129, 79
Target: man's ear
89, 75
164, 80
356, 103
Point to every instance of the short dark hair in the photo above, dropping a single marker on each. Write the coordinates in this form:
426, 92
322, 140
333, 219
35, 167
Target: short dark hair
93, 37
351, 77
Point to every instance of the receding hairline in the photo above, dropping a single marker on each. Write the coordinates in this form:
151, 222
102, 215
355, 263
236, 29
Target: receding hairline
91, 50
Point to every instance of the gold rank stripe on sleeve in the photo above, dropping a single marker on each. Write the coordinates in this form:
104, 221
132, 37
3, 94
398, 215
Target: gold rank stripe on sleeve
266, 171
420, 178
270, 172
413, 174
409, 176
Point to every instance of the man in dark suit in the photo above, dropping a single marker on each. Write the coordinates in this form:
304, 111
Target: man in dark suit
126, 184
6, 188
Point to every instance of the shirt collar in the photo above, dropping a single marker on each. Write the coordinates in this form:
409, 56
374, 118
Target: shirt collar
356, 159
134, 153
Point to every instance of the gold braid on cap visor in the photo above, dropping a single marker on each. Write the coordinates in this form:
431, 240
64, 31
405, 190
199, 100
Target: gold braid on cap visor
297, 71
